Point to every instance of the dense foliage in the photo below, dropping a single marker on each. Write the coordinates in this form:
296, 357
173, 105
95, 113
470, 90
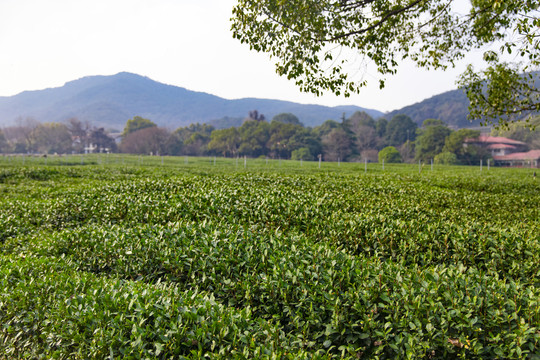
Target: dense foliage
120, 257
358, 138
315, 43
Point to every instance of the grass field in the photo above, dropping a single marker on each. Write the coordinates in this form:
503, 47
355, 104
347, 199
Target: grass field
147, 257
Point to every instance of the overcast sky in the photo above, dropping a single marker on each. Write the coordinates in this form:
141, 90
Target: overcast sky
186, 43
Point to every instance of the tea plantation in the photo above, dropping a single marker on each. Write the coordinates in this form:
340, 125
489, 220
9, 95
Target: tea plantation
173, 258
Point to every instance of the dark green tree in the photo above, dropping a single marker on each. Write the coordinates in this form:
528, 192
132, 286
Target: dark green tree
281, 144
287, 118
326, 127
431, 139
254, 115
306, 138
380, 126
137, 123
190, 140
99, 138
254, 136
466, 154
225, 142
400, 129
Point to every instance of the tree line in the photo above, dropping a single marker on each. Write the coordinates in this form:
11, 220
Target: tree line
356, 138
29, 136
283, 137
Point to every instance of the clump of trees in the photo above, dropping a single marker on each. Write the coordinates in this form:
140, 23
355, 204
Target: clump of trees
355, 138
74, 136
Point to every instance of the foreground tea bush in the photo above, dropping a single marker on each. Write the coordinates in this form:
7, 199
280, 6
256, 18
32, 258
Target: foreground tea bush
298, 264
325, 298
48, 310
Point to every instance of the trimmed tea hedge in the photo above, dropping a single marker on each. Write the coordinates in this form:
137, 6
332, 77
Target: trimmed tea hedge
156, 263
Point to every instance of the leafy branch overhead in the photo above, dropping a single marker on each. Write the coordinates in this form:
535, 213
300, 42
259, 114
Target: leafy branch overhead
308, 40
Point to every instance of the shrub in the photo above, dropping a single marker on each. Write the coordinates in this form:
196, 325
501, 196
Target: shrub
389, 155
301, 154
446, 158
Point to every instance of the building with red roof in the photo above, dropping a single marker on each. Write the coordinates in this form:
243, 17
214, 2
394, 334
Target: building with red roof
507, 152
520, 159
498, 145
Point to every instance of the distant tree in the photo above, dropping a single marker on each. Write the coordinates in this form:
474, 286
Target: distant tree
21, 135
150, 140
407, 151
455, 141
390, 155
99, 138
79, 133
302, 154
358, 119
287, 118
254, 136
137, 123
362, 126
445, 158
173, 144
197, 144
280, 143
306, 138
380, 126
337, 144
225, 142
466, 154
432, 122
528, 132
4, 145
326, 127
399, 129
254, 115
366, 138
50, 138
431, 139
189, 140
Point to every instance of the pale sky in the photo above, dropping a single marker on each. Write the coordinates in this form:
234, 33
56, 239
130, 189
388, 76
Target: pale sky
187, 43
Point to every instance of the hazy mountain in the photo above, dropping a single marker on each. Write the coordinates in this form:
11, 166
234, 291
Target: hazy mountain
111, 100
450, 107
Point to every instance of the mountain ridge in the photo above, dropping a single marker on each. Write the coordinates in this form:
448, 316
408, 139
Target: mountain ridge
451, 107
111, 100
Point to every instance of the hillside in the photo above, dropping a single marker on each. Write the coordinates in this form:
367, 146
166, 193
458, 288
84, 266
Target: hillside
450, 107
111, 100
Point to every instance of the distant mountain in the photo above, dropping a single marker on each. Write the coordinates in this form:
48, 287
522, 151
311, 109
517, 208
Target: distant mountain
111, 100
450, 107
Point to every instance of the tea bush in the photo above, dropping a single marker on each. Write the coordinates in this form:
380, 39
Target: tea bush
194, 260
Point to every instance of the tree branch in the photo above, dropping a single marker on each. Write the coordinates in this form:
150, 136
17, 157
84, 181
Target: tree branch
377, 24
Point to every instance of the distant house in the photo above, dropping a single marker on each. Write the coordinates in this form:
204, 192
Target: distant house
520, 159
507, 152
497, 145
